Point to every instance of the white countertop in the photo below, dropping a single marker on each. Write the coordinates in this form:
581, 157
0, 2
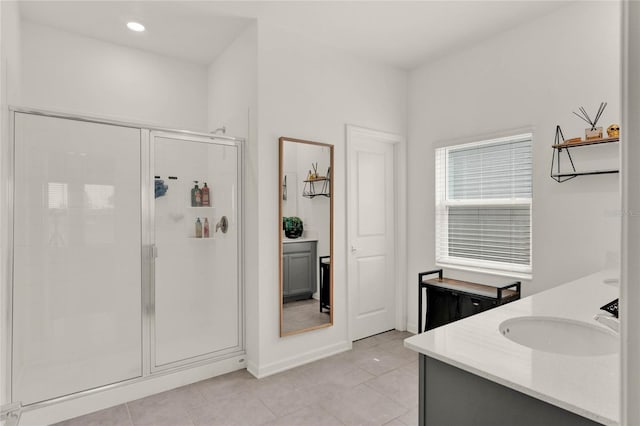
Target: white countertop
585, 385
297, 240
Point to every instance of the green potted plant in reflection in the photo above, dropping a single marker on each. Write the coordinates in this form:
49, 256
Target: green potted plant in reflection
292, 226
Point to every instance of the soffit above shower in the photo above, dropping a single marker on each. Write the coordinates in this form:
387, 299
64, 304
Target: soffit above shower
404, 34
171, 29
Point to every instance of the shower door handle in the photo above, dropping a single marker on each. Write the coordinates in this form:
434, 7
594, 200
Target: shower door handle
154, 251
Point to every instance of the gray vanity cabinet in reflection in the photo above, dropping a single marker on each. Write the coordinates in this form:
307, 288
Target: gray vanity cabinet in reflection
299, 270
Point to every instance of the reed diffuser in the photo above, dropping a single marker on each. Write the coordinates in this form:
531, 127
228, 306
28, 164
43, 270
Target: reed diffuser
593, 132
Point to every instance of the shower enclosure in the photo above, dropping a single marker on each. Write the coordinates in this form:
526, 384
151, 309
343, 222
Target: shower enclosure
196, 300
108, 282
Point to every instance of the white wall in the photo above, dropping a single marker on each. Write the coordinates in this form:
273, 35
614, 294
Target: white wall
11, 45
71, 73
232, 102
311, 92
533, 76
232, 80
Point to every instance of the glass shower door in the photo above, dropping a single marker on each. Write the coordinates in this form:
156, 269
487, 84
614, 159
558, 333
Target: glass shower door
196, 287
77, 260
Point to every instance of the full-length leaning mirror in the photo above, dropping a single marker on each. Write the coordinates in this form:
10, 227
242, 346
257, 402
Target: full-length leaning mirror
306, 235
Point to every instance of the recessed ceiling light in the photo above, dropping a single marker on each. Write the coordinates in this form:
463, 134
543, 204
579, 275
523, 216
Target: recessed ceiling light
135, 26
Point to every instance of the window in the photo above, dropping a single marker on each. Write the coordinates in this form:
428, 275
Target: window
483, 206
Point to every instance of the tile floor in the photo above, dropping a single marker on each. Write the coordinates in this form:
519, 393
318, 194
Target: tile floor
376, 383
303, 314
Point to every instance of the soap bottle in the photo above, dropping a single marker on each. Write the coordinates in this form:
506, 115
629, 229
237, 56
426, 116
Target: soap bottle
206, 201
198, 228
206, 227
194, 192
198, 197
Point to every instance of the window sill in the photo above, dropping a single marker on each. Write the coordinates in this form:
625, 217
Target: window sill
488, 271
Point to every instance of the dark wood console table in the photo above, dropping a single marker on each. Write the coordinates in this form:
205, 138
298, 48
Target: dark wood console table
449, 300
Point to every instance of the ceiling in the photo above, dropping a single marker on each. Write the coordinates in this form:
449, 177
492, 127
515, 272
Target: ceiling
404, 34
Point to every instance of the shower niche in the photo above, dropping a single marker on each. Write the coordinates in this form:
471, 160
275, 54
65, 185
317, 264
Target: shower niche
109, 282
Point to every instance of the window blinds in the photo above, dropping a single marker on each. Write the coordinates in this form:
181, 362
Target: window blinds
483, 204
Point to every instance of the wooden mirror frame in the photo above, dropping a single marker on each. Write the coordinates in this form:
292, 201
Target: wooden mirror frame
282, 140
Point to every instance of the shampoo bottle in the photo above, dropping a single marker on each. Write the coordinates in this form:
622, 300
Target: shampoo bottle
194, 192
206, 227
198, 198
206, 201
198, 228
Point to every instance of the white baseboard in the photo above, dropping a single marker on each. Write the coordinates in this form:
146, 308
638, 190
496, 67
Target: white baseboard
101, 399
298, 360
253, 369
412, 327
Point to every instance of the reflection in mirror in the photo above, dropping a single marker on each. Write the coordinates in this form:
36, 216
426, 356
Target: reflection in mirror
306, 235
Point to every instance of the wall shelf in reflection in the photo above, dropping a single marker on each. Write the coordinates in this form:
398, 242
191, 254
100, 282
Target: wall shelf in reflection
309, 190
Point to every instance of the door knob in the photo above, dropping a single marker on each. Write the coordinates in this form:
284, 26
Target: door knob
353, 249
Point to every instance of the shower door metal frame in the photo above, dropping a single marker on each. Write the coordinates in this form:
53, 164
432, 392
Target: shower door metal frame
7, 204
6, 292
223, 353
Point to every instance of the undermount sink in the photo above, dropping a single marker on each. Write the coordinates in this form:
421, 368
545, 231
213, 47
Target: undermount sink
560, 335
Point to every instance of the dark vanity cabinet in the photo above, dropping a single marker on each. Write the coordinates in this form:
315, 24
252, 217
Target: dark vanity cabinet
449, 300
299, 261
449, 395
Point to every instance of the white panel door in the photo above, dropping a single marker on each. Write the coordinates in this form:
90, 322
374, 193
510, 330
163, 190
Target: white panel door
197, 293
77, 259
371, 235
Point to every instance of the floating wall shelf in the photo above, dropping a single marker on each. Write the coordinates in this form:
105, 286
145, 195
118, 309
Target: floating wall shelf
583, 143
555, 161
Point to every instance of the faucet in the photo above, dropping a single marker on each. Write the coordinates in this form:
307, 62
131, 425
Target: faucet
608, 320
